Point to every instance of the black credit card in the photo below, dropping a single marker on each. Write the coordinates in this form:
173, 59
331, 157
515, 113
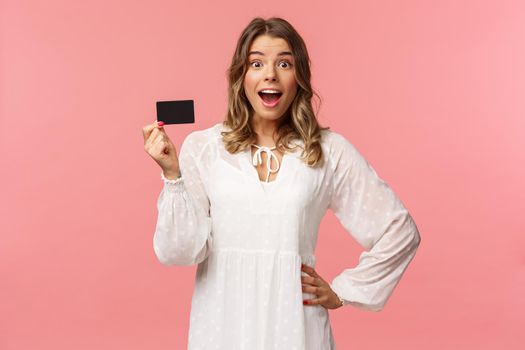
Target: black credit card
175, 112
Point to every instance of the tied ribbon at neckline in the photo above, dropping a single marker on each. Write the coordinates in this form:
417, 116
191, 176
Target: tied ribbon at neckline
257, 159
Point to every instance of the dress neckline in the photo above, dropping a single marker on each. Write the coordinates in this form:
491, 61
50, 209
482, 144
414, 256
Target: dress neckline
257, 160
251, 171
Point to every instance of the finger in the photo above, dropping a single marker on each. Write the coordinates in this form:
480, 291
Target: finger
158, 146
310, 280
310, 289
152, 136
155, 134
162, 131
160, 139
309, 270
315, 301
148, 129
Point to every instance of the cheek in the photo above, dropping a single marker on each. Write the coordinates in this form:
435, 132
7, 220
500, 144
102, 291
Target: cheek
291, 83
292, 87
249, 81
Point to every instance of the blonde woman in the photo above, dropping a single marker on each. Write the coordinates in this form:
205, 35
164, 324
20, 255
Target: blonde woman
245, 198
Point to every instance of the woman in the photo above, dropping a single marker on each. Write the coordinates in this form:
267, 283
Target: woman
245, 199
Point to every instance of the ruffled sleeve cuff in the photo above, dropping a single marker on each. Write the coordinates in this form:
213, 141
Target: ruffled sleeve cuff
176, 185
343, 301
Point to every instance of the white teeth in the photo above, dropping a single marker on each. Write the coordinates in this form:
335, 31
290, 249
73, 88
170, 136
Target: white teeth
270, 91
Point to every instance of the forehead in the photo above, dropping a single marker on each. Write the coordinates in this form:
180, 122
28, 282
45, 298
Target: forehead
269, 46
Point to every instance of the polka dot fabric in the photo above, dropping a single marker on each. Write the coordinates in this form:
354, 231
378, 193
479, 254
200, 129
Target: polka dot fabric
250, 237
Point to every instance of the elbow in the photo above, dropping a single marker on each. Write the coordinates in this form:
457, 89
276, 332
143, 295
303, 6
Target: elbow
182, 246
173, 257
171, 254
166, 257
374, 307
416, 237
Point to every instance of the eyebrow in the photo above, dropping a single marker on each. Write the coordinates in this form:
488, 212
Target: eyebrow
284, 53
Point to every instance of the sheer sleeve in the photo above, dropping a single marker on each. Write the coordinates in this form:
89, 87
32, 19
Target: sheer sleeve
183, 234
376, 218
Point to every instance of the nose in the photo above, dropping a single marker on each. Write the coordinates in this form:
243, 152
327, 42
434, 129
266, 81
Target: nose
270, 74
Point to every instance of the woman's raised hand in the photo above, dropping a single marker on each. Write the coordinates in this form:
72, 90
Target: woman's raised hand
159, 146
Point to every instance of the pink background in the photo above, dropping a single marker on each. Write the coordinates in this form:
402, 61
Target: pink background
431, 92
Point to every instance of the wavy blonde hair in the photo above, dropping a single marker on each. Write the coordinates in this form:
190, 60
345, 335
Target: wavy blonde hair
299, 121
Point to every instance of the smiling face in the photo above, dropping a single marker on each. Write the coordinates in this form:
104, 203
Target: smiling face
270, 66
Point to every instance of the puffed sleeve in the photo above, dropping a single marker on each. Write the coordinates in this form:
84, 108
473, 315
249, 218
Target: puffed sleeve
376, 218
183, 234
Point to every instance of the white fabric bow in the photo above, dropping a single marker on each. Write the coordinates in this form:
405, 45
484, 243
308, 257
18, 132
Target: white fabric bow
257, 159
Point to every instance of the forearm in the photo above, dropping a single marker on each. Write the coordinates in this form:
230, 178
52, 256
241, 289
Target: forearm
183, 233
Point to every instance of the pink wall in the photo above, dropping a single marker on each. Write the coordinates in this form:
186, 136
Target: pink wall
431, 92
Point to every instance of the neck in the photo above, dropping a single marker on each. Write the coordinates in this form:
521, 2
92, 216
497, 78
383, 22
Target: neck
265, 130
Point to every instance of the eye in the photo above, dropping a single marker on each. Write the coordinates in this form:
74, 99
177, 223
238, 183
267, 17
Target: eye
288, 64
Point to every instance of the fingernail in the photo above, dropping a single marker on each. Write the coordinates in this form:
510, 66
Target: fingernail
161, 123
305, 302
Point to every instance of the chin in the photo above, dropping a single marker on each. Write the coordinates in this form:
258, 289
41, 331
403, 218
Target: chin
270, 115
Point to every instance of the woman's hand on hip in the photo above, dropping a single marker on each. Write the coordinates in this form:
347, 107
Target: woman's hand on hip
315, 284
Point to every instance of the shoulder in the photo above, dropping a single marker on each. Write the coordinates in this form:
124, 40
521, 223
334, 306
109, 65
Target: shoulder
336, 144
202, 136
341, 153
198, 140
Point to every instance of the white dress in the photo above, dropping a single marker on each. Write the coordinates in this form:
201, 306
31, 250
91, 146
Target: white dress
249, 238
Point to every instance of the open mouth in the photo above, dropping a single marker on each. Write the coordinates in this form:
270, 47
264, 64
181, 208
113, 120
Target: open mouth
270, 99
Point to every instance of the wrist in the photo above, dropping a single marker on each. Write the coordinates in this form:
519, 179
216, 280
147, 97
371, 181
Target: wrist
171, 174
342, 302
